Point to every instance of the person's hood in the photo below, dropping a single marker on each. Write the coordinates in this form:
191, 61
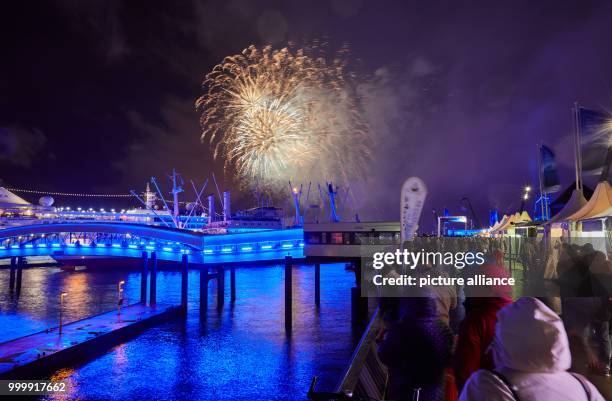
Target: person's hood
530, 337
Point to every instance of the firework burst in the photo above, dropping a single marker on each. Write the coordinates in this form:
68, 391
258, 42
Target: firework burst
284, 114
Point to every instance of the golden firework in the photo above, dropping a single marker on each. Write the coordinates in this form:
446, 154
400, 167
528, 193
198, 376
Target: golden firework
284, 114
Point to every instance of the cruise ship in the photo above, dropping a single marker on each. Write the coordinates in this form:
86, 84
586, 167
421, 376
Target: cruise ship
16, 211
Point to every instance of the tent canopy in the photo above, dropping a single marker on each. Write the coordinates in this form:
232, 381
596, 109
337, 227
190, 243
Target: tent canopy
9, 200
563, 198
574, 204
507, 222
599, 205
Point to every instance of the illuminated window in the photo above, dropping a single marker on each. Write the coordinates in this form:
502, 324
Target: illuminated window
313, 238
346, 238
324, 238
336, 238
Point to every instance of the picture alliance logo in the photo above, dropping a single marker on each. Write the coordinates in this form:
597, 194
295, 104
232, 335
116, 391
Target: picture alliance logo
412, 259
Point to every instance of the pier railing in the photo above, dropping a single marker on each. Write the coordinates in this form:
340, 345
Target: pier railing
366, 376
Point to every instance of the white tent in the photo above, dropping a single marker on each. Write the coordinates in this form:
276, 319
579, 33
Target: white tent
9, 200
524, 217
498, 224
509, 222
513, 219
600, 204
574, 204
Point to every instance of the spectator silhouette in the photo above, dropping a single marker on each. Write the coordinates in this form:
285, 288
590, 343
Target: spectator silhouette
416, 351
531, 355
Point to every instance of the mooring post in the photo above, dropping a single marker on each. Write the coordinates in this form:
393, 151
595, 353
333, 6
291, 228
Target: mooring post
288, 294
153, 295
317, 284
143, 278
233, 283
203, 289
12, 274
220, 286
20, 263
184, 282
359, 304
357, 267
359, 307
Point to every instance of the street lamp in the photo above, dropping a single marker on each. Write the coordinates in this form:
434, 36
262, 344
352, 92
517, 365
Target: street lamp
61, 322
120, 296
526, 191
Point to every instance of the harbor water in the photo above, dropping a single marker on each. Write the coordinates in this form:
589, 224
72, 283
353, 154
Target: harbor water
240, 352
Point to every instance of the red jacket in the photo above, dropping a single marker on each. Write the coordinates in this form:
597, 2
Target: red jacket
475, 335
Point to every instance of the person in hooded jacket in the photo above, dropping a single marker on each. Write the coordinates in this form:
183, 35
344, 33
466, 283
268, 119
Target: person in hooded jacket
532, 357
416, 351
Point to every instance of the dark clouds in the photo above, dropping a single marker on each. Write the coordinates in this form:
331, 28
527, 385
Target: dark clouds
459, 93
176, 136
19, 146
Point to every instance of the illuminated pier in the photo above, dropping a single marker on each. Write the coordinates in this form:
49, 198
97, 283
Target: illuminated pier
129, 240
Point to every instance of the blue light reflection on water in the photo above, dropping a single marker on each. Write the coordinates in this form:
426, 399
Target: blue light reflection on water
240, 353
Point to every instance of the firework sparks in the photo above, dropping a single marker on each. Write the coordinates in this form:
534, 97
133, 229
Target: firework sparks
284, 114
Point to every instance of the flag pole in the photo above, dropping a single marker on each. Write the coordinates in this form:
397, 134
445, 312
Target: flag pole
540, 182
577, 157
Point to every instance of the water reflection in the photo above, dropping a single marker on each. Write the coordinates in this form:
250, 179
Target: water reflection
238, 353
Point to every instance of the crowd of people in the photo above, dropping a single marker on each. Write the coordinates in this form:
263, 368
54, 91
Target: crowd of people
476, 343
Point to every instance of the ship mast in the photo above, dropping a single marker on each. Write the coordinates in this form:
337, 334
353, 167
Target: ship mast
176, 189
149, 197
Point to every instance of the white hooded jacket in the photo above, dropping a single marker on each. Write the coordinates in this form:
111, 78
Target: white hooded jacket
531, 350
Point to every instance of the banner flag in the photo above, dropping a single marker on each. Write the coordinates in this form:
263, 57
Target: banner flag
412, 199
596, 138
550, 178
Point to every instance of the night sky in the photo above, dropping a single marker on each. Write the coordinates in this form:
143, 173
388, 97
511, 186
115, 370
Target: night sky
98, 96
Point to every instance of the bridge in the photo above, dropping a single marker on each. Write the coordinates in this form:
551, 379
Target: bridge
153, 243
115, 239
149, 243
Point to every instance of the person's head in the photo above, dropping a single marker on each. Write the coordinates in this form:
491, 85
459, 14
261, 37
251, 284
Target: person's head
418, 304
530, 337
488, 270
587, 248
599, 263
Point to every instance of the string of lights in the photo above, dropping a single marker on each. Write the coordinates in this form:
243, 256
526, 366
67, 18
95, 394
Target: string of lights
80, 195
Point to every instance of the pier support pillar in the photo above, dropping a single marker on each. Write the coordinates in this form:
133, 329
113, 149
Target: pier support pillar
233, 283
153, 295
184, 282
220, 287
288, 294
12, 274
357, 266
20, 263
359, 304
359, 307
203, 289
317, 284
143, 278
